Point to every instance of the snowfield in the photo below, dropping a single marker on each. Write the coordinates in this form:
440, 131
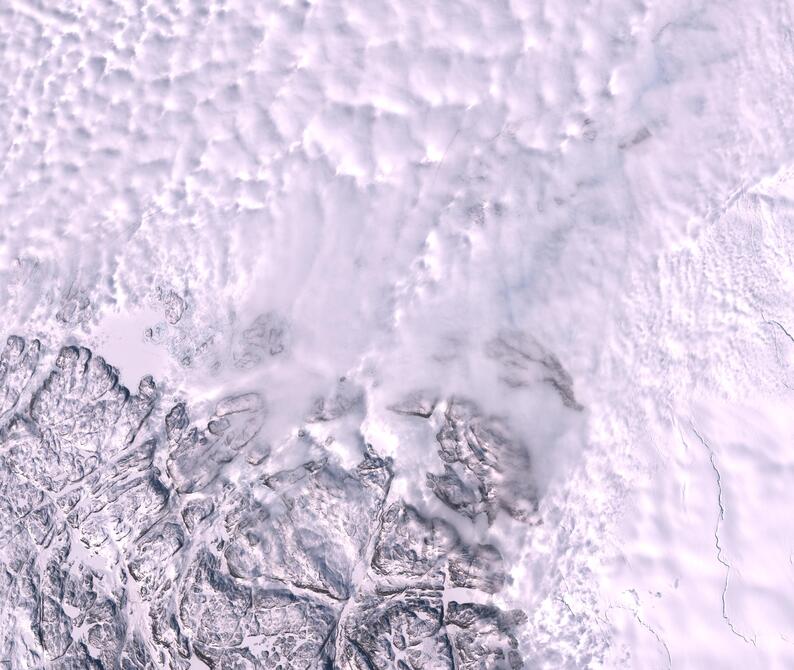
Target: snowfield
444, 334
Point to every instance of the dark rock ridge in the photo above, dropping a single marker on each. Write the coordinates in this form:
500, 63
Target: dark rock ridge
134, 543
524, 361
485, 469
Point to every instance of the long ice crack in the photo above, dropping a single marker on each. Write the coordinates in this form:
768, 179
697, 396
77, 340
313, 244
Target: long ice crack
717, 544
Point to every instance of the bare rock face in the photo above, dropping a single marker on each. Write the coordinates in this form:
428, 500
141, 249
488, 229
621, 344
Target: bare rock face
196, 457
420, 403
451, 488
400, 631
399, 618
482, 636
485, 468
524, 361
18, 362
412, 547
315, 529
139, 544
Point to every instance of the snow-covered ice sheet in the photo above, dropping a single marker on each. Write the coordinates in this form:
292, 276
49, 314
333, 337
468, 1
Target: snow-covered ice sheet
464, 331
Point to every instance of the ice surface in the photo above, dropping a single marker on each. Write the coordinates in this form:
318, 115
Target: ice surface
396, 335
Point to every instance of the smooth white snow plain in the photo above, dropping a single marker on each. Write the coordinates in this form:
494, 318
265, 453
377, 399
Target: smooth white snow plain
394, 185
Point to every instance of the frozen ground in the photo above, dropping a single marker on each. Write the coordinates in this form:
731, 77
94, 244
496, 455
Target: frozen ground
538, 251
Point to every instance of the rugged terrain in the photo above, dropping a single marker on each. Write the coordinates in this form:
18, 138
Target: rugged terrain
132, 544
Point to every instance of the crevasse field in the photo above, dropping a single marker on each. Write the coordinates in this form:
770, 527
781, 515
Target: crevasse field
366, 335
